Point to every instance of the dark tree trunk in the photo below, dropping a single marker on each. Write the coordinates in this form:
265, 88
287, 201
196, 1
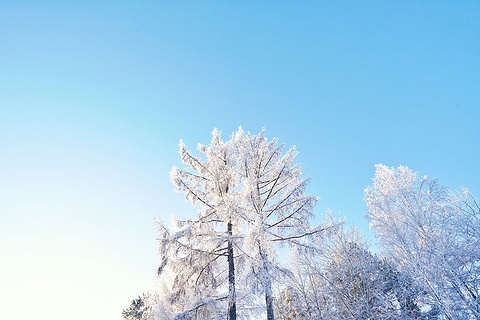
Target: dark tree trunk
232, 307
269, 302
267, 283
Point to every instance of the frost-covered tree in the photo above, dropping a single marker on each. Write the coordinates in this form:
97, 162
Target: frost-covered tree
343, 280
141, 308
432, 234
193, 252
192, 282
250, 198
362, 286
275, 208
289, 305
135, 311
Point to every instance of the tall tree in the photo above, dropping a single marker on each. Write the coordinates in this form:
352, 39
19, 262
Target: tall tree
433, 234
275, 207
209, 182
251, 198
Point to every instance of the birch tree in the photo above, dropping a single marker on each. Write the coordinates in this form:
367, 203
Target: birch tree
433, 234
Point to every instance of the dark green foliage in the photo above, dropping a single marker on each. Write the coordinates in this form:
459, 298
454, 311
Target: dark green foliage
138, 309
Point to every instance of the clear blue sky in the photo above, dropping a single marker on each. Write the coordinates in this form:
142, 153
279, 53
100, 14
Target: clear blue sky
94, 96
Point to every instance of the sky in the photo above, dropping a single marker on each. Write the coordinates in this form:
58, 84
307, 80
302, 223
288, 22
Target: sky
95, 95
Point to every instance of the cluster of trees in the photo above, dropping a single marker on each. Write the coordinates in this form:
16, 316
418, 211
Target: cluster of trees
251, 252
432, 234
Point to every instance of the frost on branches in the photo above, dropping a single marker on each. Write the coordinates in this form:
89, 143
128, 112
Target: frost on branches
343, 280
141, 308
275, 207
433, 235
250, 198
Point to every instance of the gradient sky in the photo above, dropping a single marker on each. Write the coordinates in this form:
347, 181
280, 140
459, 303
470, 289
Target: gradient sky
94, 96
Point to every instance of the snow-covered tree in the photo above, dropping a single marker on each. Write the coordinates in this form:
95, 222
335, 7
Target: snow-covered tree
192, 281
141, 308
250, 198
343, 280
432, 234
275, 209
193, 253
289, 305
362, 286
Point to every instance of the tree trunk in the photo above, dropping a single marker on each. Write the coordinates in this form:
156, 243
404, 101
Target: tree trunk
232, 307
267, 286
269, 303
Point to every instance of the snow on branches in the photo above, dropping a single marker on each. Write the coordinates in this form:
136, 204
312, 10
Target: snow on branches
250, 197
432, 234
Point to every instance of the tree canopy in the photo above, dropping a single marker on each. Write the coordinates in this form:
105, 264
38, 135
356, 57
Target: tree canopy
226, 261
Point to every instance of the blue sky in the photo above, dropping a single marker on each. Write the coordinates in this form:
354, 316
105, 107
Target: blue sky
94, 97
